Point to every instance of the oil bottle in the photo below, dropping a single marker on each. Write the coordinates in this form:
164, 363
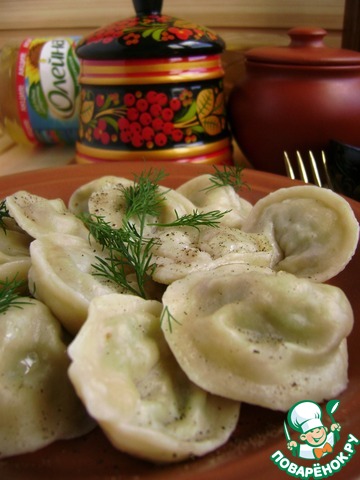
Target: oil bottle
39, 90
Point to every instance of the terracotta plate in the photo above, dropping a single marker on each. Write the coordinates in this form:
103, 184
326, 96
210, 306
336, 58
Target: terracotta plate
260, 432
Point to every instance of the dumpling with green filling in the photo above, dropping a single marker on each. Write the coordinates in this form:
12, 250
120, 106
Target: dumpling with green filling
313, 230
63, 276
257, 336
131, 384
38, 403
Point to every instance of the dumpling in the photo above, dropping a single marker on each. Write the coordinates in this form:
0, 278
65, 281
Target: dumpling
38, 403
220, 198
78, 202
18, 268
232, 245
313, 230
62, 276
176, 253
14, 243
39, 216
129, 381
180, 251
110, 204
14, 255
253, 335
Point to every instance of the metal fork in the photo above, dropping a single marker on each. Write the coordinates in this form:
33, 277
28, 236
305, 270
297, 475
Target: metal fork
316, 175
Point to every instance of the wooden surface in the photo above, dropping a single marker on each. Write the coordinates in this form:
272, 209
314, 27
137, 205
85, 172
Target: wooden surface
229, 13
243, 24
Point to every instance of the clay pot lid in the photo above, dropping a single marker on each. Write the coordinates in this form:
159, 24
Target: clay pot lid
306, 48
149, 34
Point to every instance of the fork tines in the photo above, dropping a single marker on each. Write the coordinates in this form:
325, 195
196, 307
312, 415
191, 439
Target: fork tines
317, 173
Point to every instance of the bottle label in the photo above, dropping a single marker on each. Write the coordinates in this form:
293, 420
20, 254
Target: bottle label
48, 89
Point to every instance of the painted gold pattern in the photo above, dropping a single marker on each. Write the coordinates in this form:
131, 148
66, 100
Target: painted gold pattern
222, 147
132, 73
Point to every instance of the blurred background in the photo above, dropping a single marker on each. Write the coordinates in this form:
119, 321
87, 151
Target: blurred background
243, 24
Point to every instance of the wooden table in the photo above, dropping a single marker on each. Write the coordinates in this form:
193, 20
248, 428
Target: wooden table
15, 158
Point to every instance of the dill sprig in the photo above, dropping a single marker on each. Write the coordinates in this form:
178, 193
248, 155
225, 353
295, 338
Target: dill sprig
4, 213
127, 252
167, 316
196, 219
9, 294
227, 176
143, 198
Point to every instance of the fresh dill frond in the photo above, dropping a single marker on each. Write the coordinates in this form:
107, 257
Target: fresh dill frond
9, 294
102, 231
227, 176
167, 316
128, 252
196, 219
4, 213
144, 197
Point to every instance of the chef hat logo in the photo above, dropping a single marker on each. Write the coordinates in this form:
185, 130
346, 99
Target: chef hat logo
305, 416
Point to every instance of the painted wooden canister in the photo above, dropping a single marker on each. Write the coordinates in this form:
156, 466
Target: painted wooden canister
152, 89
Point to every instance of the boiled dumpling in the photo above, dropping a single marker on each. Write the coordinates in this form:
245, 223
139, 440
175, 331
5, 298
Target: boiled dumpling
222, 198
180, 251
39, 216
38, 403
176, 254
232, 245
313, 230
253, 335
131, 384
62, 276
78, 202
109, 203
18, 268
14, 255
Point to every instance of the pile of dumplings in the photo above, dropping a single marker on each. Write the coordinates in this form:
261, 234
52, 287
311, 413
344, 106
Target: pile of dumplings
238, 313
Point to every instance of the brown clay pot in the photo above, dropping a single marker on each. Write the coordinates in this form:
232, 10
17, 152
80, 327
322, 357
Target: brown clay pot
298, 97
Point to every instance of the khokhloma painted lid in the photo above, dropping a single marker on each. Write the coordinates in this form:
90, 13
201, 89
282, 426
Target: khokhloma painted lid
149, 34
